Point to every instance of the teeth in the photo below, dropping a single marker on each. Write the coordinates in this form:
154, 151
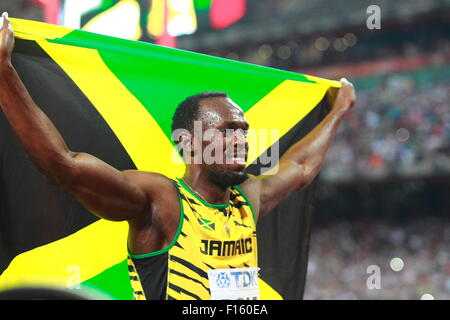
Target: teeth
242, 160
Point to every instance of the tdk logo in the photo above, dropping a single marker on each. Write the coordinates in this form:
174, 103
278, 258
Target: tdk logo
222, 280
245, 279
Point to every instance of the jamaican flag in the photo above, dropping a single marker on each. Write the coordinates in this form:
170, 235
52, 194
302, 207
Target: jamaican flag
114, 99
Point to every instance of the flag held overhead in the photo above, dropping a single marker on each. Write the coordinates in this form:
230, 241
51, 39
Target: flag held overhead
115, 98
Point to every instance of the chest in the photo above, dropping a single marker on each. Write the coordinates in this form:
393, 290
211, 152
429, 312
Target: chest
218, 233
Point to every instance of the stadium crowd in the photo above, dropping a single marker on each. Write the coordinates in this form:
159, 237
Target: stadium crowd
341, 253
399, 128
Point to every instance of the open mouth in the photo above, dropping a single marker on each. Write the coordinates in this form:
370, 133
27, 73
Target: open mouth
239, 161
239, 158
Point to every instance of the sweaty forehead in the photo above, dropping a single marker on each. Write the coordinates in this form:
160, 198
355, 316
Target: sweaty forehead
219, 109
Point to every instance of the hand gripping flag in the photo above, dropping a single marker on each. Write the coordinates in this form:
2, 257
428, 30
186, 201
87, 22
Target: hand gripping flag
114, 99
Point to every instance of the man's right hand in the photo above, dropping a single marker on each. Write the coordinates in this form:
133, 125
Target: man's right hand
6, 40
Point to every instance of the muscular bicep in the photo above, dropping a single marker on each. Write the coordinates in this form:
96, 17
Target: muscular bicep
105, 191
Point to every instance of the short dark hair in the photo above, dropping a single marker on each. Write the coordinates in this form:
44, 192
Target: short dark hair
188, 110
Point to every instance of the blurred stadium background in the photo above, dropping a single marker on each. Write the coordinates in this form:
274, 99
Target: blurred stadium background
384, 198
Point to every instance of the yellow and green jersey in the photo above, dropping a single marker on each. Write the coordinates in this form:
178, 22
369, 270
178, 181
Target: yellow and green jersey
209, 237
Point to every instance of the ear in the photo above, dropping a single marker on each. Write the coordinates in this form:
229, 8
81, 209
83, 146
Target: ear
186, 146
186, 142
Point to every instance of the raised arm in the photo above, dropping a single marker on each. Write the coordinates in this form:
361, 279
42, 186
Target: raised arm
107, 192
301, 163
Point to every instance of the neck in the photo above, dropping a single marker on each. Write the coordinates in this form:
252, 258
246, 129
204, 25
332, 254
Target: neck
199, 182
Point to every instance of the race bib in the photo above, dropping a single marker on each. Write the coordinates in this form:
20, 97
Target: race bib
234, 284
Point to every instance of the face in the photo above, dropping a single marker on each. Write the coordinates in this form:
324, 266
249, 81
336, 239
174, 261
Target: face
223, 143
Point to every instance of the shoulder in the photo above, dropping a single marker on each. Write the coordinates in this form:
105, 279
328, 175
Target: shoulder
155, 185
163, 207
157, 228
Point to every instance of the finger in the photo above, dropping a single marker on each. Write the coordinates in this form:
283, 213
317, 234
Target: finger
5, 21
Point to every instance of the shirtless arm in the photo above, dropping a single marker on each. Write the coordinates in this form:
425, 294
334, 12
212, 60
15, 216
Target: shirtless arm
301, 163
104, 190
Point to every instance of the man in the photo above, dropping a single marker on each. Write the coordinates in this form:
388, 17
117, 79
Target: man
193, 238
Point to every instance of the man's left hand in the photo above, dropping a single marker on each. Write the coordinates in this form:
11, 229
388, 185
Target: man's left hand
342, 99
